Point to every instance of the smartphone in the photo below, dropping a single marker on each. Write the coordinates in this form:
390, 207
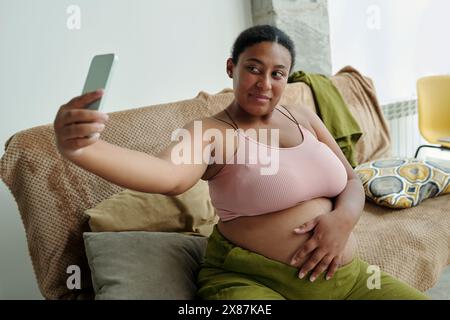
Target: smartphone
99, 75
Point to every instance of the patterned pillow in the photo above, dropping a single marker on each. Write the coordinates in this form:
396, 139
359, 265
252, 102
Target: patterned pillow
404, 182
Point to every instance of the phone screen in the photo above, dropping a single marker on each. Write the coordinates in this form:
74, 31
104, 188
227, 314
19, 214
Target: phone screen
98, 77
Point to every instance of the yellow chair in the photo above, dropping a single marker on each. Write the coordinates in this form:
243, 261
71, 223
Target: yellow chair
433, 99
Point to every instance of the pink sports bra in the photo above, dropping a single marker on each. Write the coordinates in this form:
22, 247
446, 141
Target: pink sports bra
306, 171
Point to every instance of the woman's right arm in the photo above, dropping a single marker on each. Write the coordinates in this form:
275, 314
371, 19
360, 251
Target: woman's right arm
77, 131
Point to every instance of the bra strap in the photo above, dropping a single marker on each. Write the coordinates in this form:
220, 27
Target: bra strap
236, 126
293, 118
225, 122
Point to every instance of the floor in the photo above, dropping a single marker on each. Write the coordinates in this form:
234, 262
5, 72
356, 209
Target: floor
441, 291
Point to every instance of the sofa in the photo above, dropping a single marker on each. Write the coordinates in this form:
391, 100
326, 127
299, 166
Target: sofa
54, 196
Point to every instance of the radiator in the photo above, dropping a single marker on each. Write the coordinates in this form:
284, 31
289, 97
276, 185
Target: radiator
404, 127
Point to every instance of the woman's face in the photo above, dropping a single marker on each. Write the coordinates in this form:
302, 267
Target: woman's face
260, 76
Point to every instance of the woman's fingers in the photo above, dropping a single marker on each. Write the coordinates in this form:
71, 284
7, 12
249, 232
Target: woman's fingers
306, 248
306, 227
311, 263
333, 267
71, 116
76, 126
80, 130
321, 267
84, 100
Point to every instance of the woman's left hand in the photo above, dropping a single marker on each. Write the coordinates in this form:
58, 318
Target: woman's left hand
330, 235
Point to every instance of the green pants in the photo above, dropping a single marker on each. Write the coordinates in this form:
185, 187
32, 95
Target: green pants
229, 272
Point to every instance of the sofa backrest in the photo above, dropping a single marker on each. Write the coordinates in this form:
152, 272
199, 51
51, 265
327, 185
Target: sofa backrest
52, 193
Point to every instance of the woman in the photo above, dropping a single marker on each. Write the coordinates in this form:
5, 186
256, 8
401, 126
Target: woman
284, 235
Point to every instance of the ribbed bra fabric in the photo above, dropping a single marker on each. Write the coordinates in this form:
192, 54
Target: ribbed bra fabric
300, 173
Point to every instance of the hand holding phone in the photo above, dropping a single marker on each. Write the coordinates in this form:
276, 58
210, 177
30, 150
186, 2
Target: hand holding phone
79, 122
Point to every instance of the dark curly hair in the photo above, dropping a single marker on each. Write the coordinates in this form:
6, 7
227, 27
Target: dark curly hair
258, 34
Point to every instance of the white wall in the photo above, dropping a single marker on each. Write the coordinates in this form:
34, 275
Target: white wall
168, 51
393, 41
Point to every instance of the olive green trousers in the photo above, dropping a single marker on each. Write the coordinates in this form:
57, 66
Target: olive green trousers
229, 272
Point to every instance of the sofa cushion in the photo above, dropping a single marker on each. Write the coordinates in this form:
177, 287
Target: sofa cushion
404, 182
131, 210
144, 265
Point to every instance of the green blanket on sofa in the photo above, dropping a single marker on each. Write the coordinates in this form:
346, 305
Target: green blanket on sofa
333, 111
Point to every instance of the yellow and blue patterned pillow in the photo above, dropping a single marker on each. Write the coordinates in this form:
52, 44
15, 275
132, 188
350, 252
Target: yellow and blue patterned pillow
404, 182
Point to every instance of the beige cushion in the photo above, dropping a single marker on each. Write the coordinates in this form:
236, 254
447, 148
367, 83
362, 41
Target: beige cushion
404, 182
130, 210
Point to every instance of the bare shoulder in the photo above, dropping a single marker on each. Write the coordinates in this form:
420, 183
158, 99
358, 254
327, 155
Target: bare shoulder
304, 116
221, 122
300, 111
212, 122
221, 125
205, 123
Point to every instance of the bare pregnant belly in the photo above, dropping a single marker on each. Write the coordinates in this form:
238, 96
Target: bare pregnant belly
272, 235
